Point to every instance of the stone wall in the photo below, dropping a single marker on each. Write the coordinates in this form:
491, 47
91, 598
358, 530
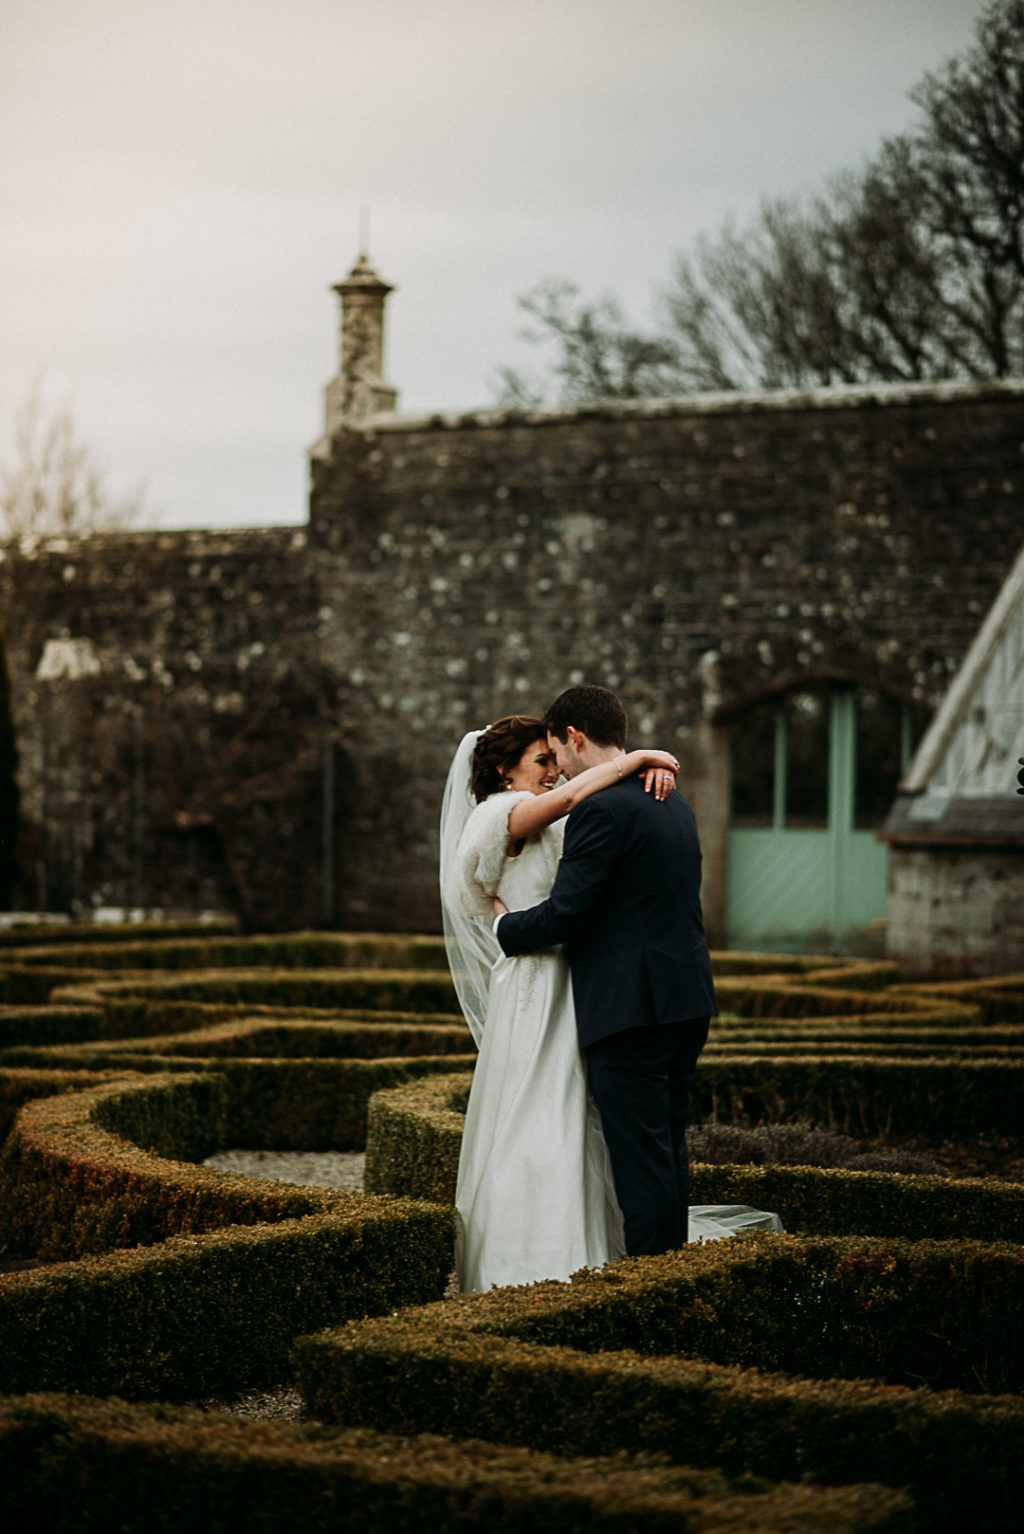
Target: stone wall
694, 555
956, 911
170, 710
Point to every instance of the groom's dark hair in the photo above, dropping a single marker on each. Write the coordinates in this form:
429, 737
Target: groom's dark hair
594, 711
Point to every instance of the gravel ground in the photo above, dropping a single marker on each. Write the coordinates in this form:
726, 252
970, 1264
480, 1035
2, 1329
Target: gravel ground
284, 1405
311, 1169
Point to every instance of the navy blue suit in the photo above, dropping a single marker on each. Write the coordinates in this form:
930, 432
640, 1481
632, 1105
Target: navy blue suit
626, 903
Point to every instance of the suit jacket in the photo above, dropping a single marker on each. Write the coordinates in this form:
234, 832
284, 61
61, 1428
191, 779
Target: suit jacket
626, 902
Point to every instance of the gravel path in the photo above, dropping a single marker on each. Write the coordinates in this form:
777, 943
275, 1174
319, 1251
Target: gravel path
311, 1169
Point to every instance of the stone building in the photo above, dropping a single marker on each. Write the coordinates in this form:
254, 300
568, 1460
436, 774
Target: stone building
780, 586
956, 829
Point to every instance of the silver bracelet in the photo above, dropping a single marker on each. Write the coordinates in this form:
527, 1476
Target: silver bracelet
618, 763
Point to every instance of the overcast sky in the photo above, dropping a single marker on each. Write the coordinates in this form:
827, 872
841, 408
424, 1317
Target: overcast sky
181, 185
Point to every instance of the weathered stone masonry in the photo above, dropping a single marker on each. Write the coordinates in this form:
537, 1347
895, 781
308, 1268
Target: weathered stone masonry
696, 555
174, 744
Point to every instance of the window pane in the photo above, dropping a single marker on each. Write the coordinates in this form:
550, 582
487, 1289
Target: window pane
807, 760
880, 725
752, 764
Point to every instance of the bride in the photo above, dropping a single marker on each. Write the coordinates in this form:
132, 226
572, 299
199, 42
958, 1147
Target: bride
535, 1197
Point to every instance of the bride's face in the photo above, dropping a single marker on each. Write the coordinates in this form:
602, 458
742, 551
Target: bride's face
536, 770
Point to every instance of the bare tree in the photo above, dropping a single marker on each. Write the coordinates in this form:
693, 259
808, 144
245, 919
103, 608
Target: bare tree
844, 288
761, 307
965, 164
911, 268
54, 484
598, 356
887, 281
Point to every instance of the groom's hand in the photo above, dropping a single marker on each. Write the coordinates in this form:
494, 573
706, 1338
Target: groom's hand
500, 910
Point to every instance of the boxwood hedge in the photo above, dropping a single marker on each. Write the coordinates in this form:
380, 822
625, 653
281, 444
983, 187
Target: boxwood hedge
290, 950
68, 1464
208, 1306
92, 1170
380, 990
47, 1025
414, 1137
868, 1095
390, 1035
509, 1366
56, 933
999, 998
212, 1313
18, 1087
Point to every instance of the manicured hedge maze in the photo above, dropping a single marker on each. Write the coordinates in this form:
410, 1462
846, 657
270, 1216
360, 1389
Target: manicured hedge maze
790, 1382
217, 1273
30, 974
56, 935
68, 1464
197, 1280
616, 1360
415, 1132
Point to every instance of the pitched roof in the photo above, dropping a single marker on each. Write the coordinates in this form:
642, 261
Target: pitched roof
961, 784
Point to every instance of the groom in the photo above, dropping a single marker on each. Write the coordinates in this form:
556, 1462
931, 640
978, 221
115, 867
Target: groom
626, 902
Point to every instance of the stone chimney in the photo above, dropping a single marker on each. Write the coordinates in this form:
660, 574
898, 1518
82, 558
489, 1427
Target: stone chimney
359, 391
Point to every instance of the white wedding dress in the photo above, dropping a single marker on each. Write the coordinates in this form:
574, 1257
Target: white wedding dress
535, 1197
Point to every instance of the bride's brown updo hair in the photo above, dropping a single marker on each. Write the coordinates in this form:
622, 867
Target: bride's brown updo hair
498, 750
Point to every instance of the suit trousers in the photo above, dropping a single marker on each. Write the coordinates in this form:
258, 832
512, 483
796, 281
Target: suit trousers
641, 1081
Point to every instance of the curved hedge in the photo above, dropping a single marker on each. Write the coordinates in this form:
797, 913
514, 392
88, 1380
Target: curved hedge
91, 1170
296, 1104
999, 999
21, 1086
776, 997
40, 1026
507, 1366
295, 1037
812, 1200
268, 1057
377, 990
58, 934
414, 1136
217, 1312
66, 1464
31, 975
869, 1095
198, 1279
35, 985
131, 1015
291, 950
782, 1039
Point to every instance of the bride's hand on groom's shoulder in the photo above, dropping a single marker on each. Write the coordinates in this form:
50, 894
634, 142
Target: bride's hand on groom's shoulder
659, 781
660, 774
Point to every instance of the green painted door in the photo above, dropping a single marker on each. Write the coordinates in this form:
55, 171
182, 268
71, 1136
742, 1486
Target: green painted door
812, 774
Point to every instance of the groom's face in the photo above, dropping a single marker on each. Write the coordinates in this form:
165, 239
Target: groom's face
566, 754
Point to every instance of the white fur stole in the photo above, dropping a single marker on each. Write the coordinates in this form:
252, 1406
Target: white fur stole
481, 854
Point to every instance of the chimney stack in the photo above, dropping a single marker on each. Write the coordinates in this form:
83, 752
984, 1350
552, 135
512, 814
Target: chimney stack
359, 391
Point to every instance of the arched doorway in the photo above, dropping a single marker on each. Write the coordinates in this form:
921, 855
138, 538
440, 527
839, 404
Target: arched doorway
812, 776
